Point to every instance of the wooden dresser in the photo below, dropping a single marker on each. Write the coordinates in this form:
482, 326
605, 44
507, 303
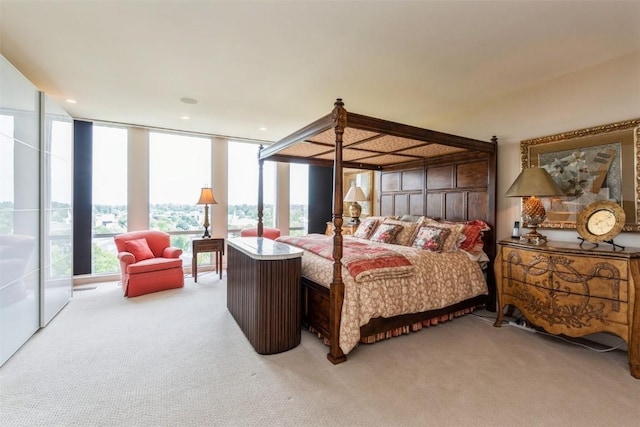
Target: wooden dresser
572, 290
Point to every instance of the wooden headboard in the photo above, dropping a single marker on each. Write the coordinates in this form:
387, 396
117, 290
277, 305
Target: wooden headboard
459, 190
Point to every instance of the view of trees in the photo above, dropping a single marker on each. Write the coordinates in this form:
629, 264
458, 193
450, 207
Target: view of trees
172, 218
110, 220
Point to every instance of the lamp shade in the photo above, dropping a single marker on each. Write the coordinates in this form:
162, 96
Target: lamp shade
206, 197
355, 194
534, 182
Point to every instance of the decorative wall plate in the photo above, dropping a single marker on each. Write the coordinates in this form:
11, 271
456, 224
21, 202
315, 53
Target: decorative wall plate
601, 221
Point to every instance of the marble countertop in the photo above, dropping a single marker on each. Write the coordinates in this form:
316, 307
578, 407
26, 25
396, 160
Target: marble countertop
264, 249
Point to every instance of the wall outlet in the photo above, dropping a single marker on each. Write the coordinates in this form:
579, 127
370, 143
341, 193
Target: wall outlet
522, 325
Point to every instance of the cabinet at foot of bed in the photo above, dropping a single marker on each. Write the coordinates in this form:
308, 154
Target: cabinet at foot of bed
315, 307
263, 292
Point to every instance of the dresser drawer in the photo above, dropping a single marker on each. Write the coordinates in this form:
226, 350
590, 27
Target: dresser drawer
600, 278
564, 312
205, 245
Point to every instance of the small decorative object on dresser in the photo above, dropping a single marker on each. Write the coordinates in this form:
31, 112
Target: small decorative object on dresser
601, 221
515, 233
573, 291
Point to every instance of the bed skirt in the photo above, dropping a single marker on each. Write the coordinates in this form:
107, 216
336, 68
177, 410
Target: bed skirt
403, 330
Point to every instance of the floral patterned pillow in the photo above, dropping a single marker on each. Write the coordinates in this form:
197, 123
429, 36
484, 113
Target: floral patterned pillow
453, 239
472, 232
365, 229
431, 238
406, 233
386, 233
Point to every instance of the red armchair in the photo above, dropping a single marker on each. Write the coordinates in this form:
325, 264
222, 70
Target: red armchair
148, 262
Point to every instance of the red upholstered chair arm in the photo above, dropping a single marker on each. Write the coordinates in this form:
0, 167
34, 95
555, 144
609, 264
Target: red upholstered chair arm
126, 258
171, 252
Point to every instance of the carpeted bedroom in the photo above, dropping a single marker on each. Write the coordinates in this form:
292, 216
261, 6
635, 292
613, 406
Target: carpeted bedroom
178, 357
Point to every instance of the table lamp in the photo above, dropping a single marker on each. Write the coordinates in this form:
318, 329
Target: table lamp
355, 195
206, 199
532, 183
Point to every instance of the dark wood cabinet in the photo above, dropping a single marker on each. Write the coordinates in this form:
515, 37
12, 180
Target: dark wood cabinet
263, 292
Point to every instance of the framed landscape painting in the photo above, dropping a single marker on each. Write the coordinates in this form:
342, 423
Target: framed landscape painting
598, 163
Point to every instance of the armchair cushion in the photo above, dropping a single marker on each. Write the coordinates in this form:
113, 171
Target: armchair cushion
139, 248
154, 264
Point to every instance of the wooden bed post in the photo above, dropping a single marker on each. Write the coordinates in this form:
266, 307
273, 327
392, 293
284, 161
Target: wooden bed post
260, 190
336, 290
492, 189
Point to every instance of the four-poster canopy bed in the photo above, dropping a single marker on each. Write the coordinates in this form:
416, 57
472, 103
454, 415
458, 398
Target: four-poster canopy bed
422, 173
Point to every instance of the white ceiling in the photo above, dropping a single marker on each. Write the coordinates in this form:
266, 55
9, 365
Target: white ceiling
281, 64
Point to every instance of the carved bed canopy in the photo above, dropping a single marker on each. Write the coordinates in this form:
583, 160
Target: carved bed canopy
370, 143
342, 139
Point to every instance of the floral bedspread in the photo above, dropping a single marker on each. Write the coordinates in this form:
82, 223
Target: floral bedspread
363, 259
438, 280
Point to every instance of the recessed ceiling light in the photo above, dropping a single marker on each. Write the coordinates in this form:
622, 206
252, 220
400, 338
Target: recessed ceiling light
185, 117
72, 101
263, 128
189, 100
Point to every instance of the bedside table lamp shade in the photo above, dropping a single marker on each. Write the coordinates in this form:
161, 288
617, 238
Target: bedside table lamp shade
533, 183
355, 195
206, 199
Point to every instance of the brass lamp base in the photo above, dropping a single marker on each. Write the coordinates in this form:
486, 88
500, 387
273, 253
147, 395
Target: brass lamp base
533, 214
354, 211
533, 236
206, 234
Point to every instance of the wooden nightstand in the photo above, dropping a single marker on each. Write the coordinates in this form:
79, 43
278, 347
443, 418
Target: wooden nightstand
572, 290
207, 245
347, 229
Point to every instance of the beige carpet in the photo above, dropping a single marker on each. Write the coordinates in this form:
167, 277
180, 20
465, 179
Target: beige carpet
177, 358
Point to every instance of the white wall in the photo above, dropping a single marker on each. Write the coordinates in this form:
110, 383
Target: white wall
607, 93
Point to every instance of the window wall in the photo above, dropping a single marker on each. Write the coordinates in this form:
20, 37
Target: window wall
243, 172
151, 179
109, 189
298, 199
179, 166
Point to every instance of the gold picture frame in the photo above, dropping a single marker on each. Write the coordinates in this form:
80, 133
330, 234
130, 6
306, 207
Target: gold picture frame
597, 163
